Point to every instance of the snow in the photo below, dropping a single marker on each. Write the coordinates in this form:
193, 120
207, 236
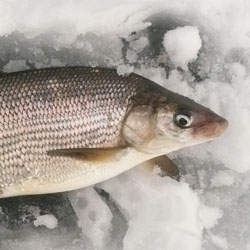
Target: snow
219, 242
200, 50
15, 65
139, 44
94, 215
182, 45
222, 178
238, 71
48, 220
162, 213
125, 70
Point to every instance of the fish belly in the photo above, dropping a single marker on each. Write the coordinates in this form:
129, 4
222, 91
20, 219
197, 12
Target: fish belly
61, 174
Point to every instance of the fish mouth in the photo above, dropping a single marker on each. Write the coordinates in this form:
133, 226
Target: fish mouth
212, 128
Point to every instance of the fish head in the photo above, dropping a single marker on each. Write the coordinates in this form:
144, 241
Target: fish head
169, 122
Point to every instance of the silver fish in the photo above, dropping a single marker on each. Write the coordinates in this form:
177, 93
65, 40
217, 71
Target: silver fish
68, 128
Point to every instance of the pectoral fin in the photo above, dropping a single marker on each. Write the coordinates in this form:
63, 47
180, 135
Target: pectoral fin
164, 164
91, 154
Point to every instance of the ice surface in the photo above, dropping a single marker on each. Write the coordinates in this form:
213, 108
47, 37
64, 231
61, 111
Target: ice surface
209, 208
182, 45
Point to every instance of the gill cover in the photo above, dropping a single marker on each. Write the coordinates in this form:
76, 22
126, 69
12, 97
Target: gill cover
138, 129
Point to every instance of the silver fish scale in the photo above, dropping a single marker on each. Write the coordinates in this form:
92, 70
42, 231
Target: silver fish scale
60, 108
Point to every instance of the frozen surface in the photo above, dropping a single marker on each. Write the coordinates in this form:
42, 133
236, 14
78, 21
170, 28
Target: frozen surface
209, 208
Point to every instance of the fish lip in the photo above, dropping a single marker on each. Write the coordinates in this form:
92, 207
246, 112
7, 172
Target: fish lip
224, 123
211, 129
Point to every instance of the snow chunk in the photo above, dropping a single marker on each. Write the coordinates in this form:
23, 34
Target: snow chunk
210, 216
124, 70
219, 242
48, 220
182, 45
15, 65
132, 56
139, 44
93, 214
222, 178
238, 71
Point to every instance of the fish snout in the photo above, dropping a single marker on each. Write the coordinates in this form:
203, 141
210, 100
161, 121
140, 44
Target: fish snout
213, 126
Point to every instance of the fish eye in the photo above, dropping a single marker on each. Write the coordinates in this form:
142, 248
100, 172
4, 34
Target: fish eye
183, 119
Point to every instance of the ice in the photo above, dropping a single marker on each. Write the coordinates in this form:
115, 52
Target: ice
209, 208
182, 45
48, 220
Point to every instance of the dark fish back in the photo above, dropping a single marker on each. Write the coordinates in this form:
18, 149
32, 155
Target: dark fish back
88, 102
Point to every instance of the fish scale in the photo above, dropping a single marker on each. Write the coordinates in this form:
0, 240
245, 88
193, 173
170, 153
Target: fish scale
68, 128
59, 108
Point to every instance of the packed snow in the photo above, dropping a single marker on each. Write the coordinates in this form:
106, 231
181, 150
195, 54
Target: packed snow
200, 50
48, 220
94, 215
182, 45
161, 213
222, 178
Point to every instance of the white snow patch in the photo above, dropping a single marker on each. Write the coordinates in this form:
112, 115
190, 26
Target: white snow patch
48, 220
182, 45
227, 20
124, 69
132, 56
162, 213
238, 71
139, 44
93, 214
210, 216
222, 178
15, 65
219, 242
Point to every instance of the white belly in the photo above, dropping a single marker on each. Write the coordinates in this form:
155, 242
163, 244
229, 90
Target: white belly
83, 174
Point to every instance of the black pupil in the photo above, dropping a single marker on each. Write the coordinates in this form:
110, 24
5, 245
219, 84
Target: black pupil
183, 122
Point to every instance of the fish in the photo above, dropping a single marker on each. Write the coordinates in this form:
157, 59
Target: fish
67, 128
162, 166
